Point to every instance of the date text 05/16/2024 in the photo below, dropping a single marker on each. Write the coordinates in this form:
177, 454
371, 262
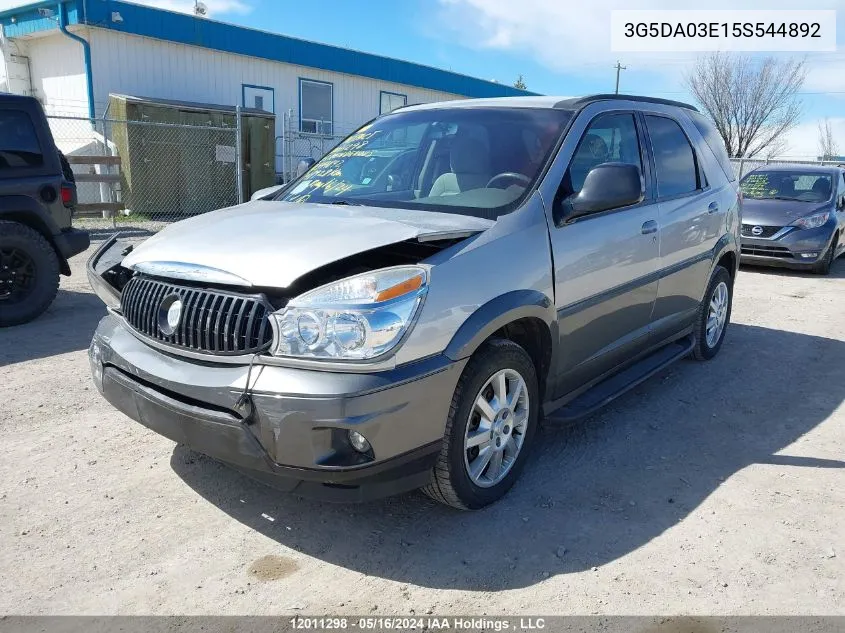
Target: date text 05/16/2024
410, 623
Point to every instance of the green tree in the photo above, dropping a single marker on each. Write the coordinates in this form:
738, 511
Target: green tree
520, 83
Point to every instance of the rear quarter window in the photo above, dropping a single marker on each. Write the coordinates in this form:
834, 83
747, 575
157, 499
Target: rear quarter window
714, 142
19, 148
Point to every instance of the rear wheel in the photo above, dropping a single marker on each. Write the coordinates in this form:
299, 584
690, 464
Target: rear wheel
29, 274
714, 314
490, 427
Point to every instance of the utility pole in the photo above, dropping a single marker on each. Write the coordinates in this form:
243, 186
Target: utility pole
619, 67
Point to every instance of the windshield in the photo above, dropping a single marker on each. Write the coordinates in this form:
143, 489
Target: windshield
473, 161
801, 186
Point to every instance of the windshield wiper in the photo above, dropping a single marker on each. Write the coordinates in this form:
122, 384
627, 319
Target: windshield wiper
346, 202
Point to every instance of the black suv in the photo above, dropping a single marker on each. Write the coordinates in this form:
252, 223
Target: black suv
37, 195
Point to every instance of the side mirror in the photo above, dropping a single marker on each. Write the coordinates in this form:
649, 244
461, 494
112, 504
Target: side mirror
304, 165
607, 186
841, 205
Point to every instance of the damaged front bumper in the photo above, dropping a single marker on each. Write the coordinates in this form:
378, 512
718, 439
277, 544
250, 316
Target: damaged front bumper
295, 433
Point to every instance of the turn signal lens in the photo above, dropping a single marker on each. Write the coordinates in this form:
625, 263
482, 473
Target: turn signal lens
401, 288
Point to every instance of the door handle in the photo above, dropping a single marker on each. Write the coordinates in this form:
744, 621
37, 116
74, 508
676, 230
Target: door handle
713, 207
649, 227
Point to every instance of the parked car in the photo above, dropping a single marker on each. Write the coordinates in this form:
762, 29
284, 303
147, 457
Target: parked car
355, 338
37, 195
793, 216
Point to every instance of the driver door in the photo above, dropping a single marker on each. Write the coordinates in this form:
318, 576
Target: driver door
606, 263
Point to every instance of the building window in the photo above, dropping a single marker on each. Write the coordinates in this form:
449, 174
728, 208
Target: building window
259, 97
390, 101
315, 107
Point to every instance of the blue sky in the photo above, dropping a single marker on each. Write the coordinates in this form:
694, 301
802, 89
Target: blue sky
560, 46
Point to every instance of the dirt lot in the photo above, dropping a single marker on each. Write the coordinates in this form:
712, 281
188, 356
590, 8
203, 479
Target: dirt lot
712, 489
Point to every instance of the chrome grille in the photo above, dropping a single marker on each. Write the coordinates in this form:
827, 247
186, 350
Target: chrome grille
768, 231
212, 321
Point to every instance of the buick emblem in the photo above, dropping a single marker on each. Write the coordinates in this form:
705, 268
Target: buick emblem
757, 230
169, 314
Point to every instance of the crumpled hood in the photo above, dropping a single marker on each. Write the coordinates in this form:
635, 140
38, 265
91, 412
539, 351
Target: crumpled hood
271, 244
778, 212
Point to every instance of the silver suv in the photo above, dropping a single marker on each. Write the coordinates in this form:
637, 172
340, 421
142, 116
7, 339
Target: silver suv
405, 313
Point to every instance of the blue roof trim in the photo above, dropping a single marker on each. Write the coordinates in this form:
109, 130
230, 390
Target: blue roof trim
187, 29
26, 20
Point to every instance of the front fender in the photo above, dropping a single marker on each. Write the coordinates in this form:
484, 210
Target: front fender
497, 313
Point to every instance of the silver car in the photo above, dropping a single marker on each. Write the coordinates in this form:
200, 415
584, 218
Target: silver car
405, 313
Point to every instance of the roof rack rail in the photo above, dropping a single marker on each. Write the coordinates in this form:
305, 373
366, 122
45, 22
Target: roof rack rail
582, 102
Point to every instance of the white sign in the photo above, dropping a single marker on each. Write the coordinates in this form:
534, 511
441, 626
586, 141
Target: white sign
729, 30
225, 154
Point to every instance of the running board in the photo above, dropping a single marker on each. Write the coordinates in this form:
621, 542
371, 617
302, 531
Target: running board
611, 388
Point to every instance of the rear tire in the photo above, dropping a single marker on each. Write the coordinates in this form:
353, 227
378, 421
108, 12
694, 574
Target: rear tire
714, 315
461, 478
29, 274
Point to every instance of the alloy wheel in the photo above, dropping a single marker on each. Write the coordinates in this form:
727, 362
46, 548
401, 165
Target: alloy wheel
717, 314
496, 428
17, 274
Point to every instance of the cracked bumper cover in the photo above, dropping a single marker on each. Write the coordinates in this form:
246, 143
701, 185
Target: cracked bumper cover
290, 441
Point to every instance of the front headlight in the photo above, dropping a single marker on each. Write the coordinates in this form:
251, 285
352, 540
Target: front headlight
356, 318
812, 221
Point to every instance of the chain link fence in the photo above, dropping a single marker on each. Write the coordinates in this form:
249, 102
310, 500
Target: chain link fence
294, 145
744, 165
141, 175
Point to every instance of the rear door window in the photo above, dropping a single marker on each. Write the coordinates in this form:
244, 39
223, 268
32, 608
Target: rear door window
674, 158
714, 142
19, 148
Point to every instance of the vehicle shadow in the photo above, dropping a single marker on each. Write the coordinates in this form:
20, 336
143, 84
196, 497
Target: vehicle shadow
66, 326
600, 488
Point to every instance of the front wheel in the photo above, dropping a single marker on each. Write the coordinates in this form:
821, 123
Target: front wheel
823, 267
714, 314
490, 427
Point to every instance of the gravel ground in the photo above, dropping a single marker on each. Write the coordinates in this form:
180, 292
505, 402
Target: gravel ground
713, 488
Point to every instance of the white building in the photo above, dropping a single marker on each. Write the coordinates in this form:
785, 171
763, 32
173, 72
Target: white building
72, 54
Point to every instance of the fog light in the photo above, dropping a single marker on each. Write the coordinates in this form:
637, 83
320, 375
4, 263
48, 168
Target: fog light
809, 255
359, 442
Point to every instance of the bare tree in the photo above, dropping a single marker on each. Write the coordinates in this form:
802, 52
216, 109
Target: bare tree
520, 83
754, 103
777, 147
828, 147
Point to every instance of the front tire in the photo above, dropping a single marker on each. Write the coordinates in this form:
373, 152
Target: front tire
823, 267
714, 315
29, 274
490, 427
